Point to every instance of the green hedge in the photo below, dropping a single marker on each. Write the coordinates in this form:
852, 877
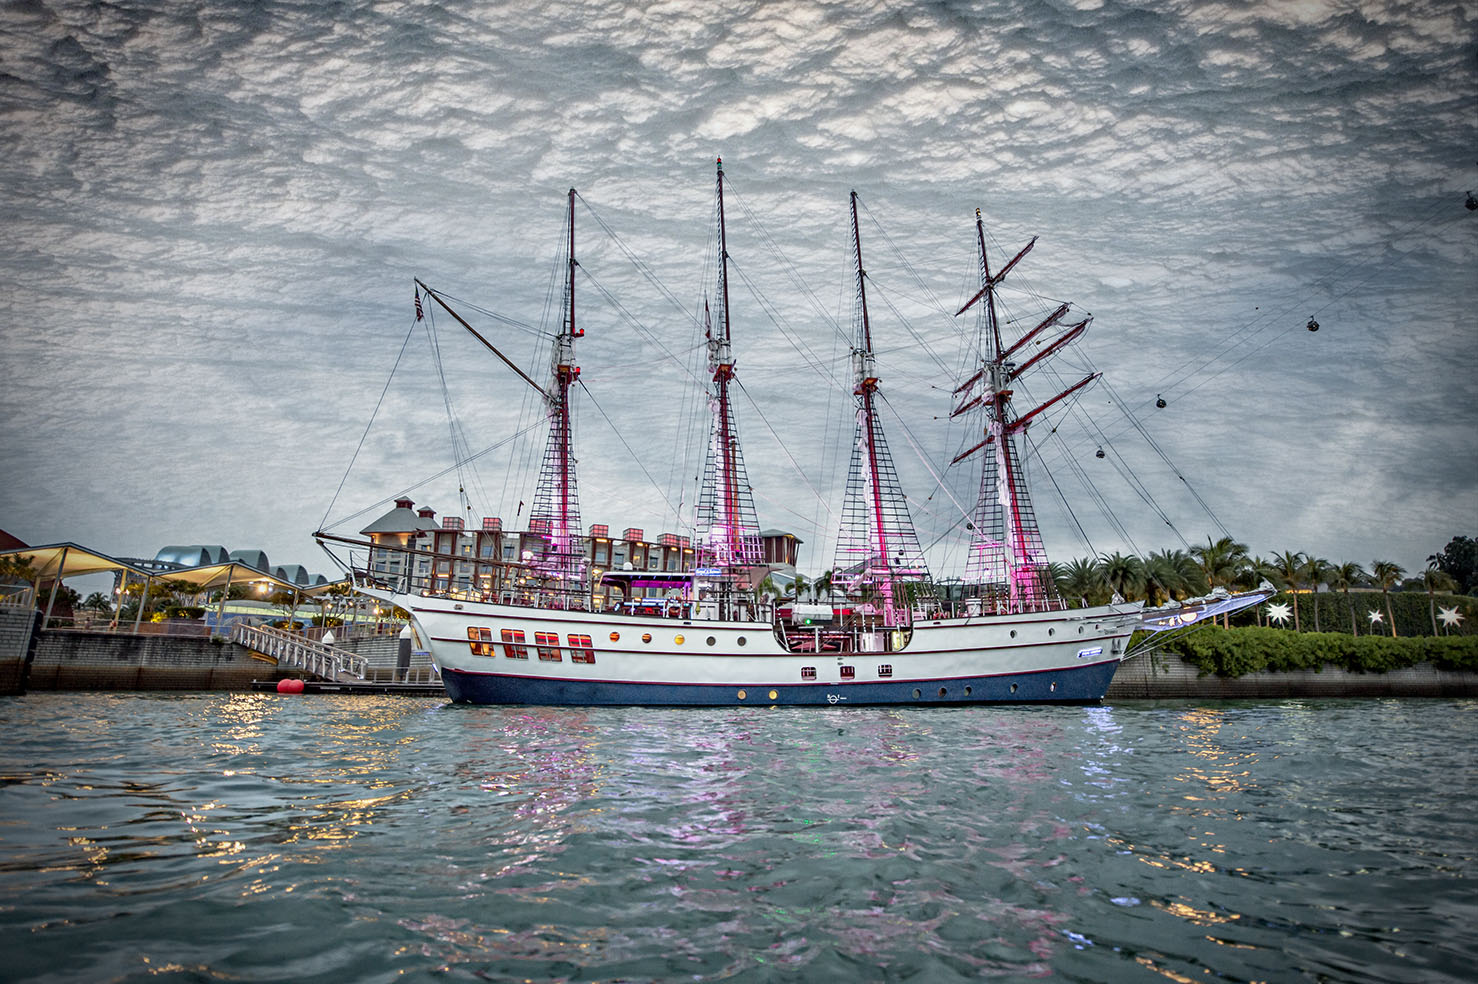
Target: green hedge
1236, 651
1411, 609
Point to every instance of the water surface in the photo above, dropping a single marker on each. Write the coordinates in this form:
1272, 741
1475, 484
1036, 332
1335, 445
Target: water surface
266, 838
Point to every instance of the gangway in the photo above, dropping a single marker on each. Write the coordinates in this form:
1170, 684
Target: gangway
295, 652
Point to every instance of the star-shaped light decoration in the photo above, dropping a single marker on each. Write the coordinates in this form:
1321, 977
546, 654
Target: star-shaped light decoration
1279, 613
1375, 616
1451, 617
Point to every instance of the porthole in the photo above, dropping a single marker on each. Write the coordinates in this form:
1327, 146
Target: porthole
1052, 632
742, 695
942, 691
615, 637
678, 639
710, 640
1013, 633
1080, 630
1052, 687
1013, 688
646, 637
967, 691
741, 640
917, 694
774, 694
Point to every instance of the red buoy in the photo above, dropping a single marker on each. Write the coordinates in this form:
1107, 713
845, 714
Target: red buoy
289, 685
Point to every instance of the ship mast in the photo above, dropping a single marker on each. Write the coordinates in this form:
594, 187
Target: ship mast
878, 550
728, 531
555, 517
1007, 565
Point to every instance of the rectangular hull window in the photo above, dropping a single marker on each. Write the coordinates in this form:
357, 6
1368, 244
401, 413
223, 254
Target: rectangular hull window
581, 649
513, 646
548, 645
480, 641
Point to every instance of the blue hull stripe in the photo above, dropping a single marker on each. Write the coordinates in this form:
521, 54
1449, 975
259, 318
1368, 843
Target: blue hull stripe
1078, 684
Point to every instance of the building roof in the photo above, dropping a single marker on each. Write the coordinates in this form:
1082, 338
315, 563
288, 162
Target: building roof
193, 555
64, 560
59, 561
401, 519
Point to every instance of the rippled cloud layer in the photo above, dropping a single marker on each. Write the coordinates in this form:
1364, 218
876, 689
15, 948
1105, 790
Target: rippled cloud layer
214, 212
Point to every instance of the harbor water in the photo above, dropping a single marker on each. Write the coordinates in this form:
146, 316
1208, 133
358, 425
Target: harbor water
254, 837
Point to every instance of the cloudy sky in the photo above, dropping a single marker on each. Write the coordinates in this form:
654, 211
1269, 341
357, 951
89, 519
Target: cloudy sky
213, 213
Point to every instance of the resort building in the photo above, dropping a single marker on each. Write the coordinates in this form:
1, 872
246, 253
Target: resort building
412, 550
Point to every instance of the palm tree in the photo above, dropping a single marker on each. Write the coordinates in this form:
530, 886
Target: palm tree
1435, 579
767, 590
1083, 579
1163, 578
99, 602
1221, 561
1123, 574
1316, 571
821, 587
1344, 577
1386, 574
1289, 567
799, 586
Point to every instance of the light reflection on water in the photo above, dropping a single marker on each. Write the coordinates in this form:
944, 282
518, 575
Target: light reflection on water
256, 837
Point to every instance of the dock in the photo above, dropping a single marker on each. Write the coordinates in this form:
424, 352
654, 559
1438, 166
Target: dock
359, 687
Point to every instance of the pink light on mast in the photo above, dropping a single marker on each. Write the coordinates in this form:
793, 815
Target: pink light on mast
556, 511
878, 552
727, 528
1007, 565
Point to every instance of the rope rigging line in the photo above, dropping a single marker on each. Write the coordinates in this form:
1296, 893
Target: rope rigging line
632, 320
1171, 383
434, 344
1067, 504
617, 431
1095, 494
1160, 451
641, 265
523, 326
919, 340
431, 478
913, 442
787, 266
358, 447
783, 449
812, 361
933, 299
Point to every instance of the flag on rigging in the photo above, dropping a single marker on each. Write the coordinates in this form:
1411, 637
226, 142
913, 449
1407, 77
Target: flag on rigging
419, 313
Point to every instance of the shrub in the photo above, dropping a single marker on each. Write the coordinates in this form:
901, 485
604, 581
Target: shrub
1238, 651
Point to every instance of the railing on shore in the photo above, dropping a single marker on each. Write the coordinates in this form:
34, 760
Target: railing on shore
294, 651
85, 621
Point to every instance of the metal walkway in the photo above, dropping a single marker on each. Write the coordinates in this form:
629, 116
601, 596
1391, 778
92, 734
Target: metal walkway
295, 652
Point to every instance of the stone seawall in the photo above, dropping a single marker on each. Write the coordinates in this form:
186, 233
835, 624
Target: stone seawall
79, 660
1144, 678
16, 645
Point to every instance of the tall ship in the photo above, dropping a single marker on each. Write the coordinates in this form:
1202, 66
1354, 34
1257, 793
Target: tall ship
550, 627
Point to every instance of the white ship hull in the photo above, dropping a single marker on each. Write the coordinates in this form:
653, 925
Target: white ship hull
504, 654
